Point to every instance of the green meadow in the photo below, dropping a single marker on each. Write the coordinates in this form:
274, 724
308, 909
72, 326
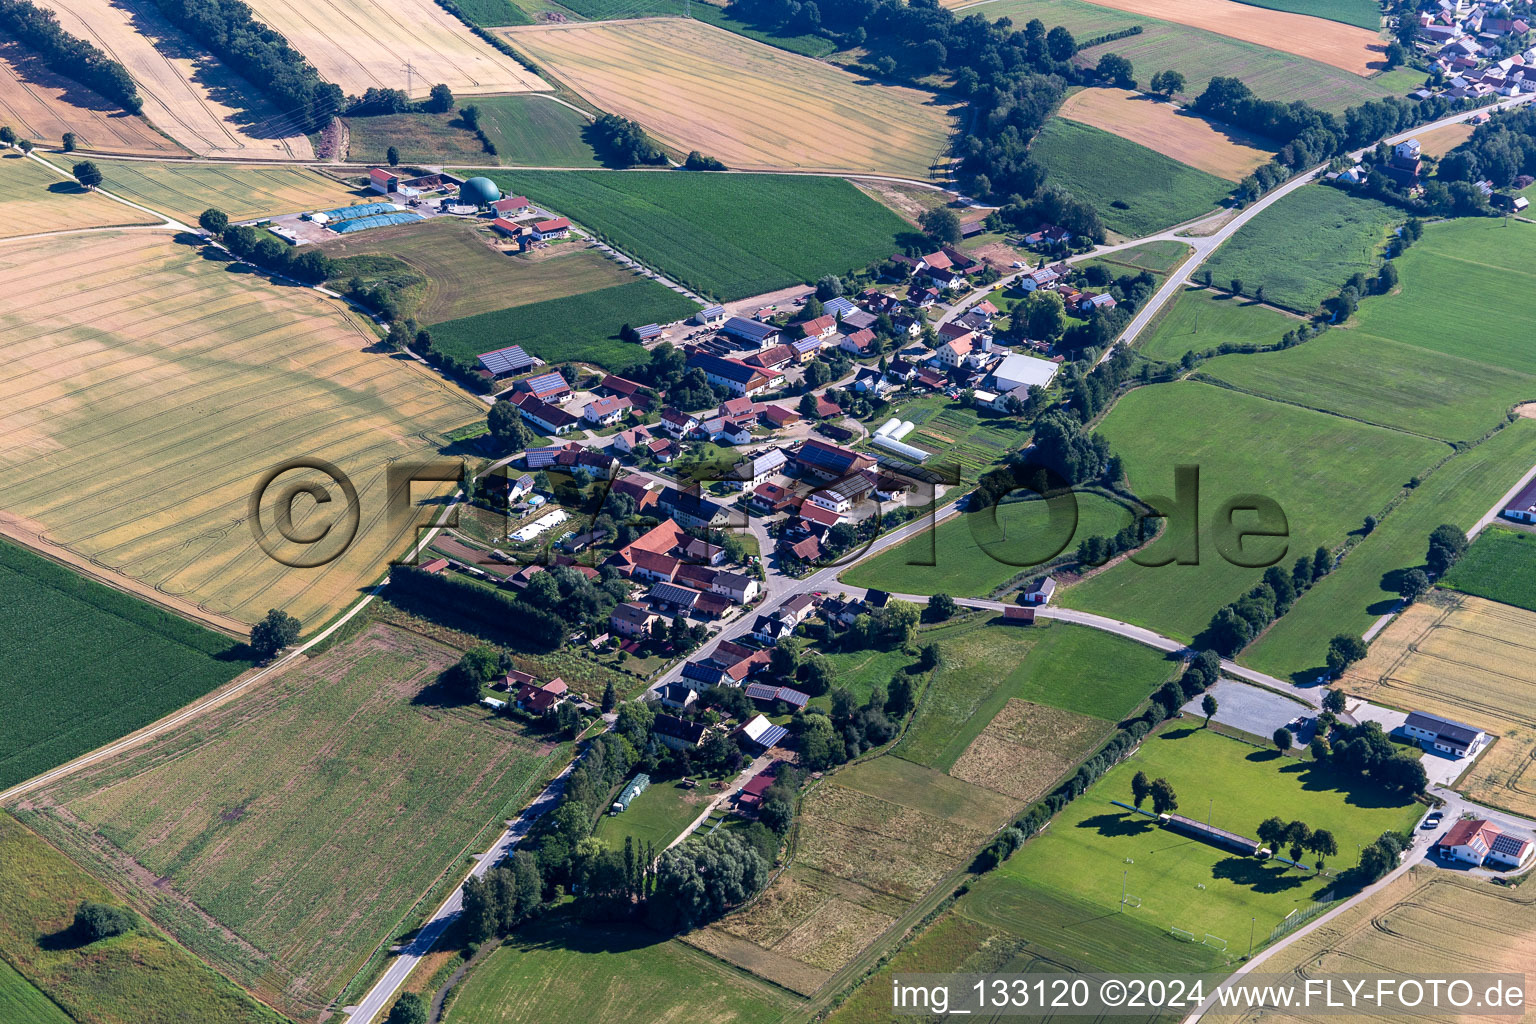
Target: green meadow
1202, 318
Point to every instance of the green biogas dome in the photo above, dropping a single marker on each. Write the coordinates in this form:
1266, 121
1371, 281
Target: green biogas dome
479, 192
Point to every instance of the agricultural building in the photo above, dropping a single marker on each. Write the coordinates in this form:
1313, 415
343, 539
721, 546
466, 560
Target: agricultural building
844, 494
828, 461
479, 192
839, 306
637, 785
675, 599
769, 695
510, 205
650, 332
543, 387
504, 362
754, 333
761, 733
1522, 507
1443, 735
510, 228
548, 418
1017, 370
383, 181
737, 377
710, 316
1040, 591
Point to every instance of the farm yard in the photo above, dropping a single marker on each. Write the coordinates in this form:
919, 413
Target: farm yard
753, 106
1326, 472
1348, 47
1196, 53
1500, 566
362, 44
1203, 318
1364, 586
561, 971
34, 199
1304, 247
253, 834
1137, 191
141, 419
1474, 661
1428, 922
449, 269
530, 130
89, 664
973, 554
1175, 132
1184, 882
724, 236
141, 976
243, 192
581, 328
188, 94
42, 106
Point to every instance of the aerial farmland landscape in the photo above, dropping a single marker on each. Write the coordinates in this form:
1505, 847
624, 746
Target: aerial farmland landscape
758, 512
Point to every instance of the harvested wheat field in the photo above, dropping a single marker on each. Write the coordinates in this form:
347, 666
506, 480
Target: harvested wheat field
1026, 748
1170, 130
755, 107
42, 105
188, 94
147, 388
185, 190
1427, 923
1356, 50
1473, 661
362, 44
34, 199
1439, 141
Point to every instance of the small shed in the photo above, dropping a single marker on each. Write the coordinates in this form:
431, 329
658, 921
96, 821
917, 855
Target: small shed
637, 785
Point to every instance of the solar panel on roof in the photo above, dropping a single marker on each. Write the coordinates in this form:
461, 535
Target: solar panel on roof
772, 735
511, 359
650, 331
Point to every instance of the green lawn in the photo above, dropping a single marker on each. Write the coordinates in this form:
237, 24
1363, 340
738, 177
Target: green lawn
1380, 381
1327, 474
1304, 247
527, 131
1501, 566
140, 977
20, 1000
419, 138
1135, 190
725, 235
563, 972
1093, 847
1435, 309
1202, 318
1365, 585
970, 555
655, 816
983, 666
86, 664
580, 327
1360, 13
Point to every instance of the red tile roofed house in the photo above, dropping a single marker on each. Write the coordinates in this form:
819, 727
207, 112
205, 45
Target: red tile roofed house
511, 204
953, 352
548, 418
651, 565
736, 408
821, 327
830, 462
507, 227
606, 411
826, 407
622, 387
557, 227
958, 260
543, 386
775, 358
677, 423
772, 497
384, 181
630, 619
860, 343
664, 449
938, 261
818, 520
539, 699
750, 665
952, 330
626, 441
777, 416
1468, 841
635, 488
659, 540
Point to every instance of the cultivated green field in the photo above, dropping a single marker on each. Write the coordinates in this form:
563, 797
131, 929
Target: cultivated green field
254, 833
20, 1000
446, 269
87, 664
186, 190
1202, 318
984, 666
971, 555
1435, 311
1501, 566
1326, 473
1153, 191
963, 441
565, 972
1161, 258
1093, 847
1304, 247
1364, 586
492, 13
1363, 13
1198, 54
584, 327
140, 977
1370, 378
726, 236
527, 131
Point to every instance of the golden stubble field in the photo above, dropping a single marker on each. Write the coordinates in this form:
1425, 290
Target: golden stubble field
755, 107
241, 191
1170, 130
1474, 661
188, 94
42, 106
360, 44
147, 388
1427, 923
34, 199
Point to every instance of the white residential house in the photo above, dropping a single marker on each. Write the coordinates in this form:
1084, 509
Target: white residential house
759, 468
737, 586
1453, 739
604, 412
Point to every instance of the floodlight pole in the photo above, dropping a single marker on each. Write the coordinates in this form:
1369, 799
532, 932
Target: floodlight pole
1123, 873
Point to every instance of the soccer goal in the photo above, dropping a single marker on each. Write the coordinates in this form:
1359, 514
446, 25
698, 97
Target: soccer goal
1180, 933
1130, 901
1214, 941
